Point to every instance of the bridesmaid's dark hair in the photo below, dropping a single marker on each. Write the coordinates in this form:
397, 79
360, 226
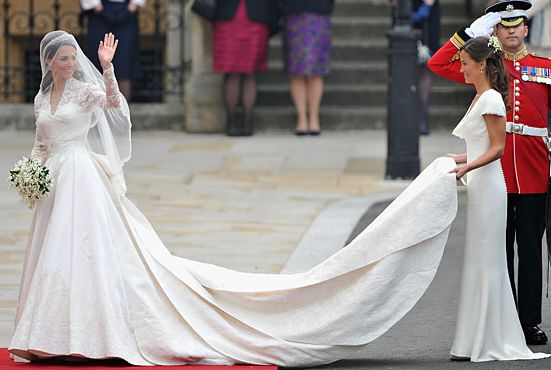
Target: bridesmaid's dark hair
479, 49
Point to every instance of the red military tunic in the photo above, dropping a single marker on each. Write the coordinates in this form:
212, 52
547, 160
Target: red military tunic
525, 161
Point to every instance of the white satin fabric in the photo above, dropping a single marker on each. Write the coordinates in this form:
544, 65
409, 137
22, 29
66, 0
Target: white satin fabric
98, 282
488, 327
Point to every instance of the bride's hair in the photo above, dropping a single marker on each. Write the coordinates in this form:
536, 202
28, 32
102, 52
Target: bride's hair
49, 46
480, 48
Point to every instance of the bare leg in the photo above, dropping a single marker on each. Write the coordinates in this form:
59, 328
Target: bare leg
298, 94
315, 93
125, 86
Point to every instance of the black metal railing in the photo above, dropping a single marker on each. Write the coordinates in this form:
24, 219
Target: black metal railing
25, 24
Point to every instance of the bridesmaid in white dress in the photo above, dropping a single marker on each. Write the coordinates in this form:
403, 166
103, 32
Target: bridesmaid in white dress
487, 326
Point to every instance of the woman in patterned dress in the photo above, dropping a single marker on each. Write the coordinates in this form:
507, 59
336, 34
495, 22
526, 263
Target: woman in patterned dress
307, 53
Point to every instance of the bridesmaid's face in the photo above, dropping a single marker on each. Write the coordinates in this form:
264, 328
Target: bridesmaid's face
65, 62
471, 68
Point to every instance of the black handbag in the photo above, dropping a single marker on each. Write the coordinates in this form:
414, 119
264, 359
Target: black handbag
203, 8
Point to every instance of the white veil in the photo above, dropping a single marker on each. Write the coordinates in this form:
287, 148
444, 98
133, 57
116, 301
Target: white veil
109, 136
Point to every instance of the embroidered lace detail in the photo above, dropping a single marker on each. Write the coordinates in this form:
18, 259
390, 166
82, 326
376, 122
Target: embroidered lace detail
91, 96
68, 125
112, 89
40, 148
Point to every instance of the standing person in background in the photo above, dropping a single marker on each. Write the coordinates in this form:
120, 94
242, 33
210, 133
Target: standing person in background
121, 18
426, 17
240, 48
307, 54
540, 27
525, 160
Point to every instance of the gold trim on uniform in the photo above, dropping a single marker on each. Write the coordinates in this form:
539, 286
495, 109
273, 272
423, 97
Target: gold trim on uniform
516, 56
512, 23
457, 40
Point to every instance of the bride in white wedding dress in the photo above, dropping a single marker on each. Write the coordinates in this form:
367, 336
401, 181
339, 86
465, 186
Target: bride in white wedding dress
488, 327
98, 283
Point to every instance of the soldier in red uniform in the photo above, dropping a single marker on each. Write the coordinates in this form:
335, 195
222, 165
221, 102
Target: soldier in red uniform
525, 162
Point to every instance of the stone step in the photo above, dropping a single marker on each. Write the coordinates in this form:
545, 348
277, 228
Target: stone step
345, 8
375, 72
145, 116
351, 118
352, 50
341, 73
360, 94
380, 8
358, 28
345, 50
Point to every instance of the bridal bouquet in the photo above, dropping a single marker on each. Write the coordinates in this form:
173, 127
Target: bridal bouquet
31, 180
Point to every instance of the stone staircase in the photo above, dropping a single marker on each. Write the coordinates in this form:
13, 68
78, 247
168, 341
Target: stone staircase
355, 94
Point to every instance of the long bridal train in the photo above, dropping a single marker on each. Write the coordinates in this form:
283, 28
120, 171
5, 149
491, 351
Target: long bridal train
99, 283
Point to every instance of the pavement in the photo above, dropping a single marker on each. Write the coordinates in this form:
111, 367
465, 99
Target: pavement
270, 203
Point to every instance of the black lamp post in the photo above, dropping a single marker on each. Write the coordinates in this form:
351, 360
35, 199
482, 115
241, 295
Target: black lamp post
403, 99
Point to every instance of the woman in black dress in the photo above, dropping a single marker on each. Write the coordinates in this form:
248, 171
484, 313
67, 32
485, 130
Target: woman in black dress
119, 17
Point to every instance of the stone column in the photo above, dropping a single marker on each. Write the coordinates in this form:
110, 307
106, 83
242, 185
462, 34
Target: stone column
204, 107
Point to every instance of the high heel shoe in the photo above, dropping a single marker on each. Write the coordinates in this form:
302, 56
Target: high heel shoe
301, 133
315, 132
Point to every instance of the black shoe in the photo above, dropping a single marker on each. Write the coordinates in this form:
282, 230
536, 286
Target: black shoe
301, 133
534, 335
459, 358
315, 132
232, 127
247, 125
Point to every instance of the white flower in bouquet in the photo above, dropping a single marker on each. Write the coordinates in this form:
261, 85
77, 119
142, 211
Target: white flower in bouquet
31, 180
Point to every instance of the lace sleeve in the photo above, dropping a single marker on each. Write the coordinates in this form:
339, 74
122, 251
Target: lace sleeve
94, 96
40, 148
112, 93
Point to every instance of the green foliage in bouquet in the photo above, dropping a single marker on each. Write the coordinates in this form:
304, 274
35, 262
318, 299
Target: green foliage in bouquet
31, 180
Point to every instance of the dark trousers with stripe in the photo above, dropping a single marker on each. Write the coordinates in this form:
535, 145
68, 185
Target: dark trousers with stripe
526, 224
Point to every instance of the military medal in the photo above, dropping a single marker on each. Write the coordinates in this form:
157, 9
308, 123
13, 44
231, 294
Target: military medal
536, 74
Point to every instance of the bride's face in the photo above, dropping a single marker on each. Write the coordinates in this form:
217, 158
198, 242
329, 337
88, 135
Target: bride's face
65, 62
471, 68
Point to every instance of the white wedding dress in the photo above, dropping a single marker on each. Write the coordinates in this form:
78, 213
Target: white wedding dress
487, 326
98, 282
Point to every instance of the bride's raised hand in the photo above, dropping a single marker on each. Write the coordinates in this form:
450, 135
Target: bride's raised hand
106, 50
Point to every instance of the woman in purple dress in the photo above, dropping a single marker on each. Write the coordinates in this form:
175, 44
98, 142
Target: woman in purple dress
307, 54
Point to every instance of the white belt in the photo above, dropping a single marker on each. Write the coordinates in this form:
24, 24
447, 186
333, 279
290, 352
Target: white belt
521, 129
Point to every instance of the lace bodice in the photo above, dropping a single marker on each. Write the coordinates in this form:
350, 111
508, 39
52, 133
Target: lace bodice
68, 125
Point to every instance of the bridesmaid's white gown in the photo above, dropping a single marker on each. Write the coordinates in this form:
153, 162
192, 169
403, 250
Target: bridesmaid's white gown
487, 326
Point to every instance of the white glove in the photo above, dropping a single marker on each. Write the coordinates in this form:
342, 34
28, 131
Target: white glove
483, 26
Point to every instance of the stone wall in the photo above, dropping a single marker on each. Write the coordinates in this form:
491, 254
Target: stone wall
204, 105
